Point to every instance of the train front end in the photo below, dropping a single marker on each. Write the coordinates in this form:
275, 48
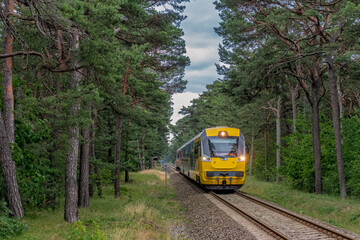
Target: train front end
222, 159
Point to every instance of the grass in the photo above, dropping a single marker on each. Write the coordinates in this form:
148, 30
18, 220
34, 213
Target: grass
142, 212
331, 209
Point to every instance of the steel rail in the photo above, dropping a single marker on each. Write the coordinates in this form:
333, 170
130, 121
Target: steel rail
321, 228
190, 183
273, 232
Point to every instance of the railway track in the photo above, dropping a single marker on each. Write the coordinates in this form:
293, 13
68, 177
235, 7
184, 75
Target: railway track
272, 232
262, 225
288, 224
191, 184
300, 225
332, 233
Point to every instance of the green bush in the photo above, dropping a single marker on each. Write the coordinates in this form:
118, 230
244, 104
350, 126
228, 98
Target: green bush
89, 231
9, 226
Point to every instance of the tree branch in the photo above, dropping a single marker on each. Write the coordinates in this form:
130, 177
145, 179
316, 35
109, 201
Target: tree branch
13, 54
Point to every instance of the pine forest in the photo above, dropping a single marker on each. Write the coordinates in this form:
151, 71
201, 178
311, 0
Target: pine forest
86, 88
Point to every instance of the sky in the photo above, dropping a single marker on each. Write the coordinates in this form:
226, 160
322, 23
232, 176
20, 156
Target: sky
202, 49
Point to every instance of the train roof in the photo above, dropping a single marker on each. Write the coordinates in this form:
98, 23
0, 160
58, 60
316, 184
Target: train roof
191, 140
200, 135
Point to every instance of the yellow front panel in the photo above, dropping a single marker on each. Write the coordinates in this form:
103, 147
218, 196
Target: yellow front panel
207, 166
228, 163
212, 132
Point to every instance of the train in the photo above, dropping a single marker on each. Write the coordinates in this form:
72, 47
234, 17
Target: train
215, 158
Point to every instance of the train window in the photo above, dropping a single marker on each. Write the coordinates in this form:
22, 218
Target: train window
223, 147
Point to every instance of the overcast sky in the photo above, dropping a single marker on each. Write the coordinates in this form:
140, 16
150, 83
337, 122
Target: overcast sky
201, 46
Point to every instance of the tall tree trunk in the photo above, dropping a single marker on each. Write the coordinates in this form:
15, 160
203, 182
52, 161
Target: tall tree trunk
127, 160
340, 97
119, 124
91, 180
71, 187
84, 169
139, 154
294, 112
277, 113
9, 173
252, 150
316, 141
312, 95
143, 151
278, 138
294, 93
336, 125
51, 183
127, 176
266, 139
7, 74
117, 156
95, 168
7, 127
98, 180
266, 133
151, 163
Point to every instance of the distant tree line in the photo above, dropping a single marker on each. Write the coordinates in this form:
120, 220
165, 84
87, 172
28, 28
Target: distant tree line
86, 88
291, 84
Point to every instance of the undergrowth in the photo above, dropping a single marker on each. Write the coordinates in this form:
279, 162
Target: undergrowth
143, 211
9, 226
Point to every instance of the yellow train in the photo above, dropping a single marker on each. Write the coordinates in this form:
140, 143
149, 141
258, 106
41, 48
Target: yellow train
215, 158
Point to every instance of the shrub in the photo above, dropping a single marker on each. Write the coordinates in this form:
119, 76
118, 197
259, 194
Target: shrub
87, 232
9, 226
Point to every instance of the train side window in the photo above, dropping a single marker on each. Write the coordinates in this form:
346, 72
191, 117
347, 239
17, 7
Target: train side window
197, 148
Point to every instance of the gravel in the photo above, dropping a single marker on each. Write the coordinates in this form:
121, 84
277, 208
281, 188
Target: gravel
203, 220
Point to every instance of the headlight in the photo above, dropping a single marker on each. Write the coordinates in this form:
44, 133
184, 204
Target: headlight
206, 159
242, 158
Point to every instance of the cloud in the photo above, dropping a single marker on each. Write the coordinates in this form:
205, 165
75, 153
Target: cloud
199, 56
198, 79
202, 48
181, 100
205, 72
201, 40
201, 44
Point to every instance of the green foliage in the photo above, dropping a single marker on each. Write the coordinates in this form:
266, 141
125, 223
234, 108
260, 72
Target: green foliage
268, 53
297, 159
119, 40
351, 143
9, 226
90, 231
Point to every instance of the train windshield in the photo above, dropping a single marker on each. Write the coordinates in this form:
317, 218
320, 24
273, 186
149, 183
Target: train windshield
223, 147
